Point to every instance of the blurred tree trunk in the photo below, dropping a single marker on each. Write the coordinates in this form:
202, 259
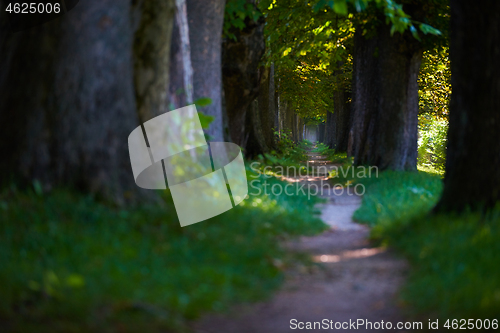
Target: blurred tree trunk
151, 55
386, 99
240, 69
287, 119
295, 127
330, 130
68, 95
267, 105
473, 155
341, 119
206, 18
254, 141
321, 132
181, 69
276, 107
301, 129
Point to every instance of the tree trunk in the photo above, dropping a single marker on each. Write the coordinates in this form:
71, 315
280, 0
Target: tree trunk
151, 54
386, 100
473, 155
341, 119
267, 105
254, 141
205, 35
287, 119
181, 68
68, 88
240, 69
330, 130
295, 128
321, 132
300, 129
277, 124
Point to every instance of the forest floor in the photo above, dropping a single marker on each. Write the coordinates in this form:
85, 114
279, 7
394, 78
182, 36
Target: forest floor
352, 280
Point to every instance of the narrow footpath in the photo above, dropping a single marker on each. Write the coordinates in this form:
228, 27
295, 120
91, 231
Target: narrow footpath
353, 280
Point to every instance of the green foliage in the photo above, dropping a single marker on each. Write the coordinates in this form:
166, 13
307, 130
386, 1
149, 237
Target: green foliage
236, 12
306, 48
288, 152
332, 155
432, 143
322, 149
205, 120
77, 265
284, 142
392, 10
310, 43
203, 101
434, 83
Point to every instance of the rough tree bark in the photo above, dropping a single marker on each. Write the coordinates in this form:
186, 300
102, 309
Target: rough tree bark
240, 74
386, 99
68, 96
205, 35
473, 155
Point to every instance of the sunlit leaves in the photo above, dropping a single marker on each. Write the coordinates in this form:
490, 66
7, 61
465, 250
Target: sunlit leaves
435, 83
307, 39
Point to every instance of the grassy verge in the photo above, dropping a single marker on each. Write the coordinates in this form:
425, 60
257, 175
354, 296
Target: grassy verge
455, 265
72, 264
332, 155
395, 197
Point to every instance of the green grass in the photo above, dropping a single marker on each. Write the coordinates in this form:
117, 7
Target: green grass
455, 264
454, 258
332, 155
72, 264
395, 197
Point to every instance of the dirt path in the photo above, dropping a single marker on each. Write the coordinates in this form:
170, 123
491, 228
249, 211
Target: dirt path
353, 280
